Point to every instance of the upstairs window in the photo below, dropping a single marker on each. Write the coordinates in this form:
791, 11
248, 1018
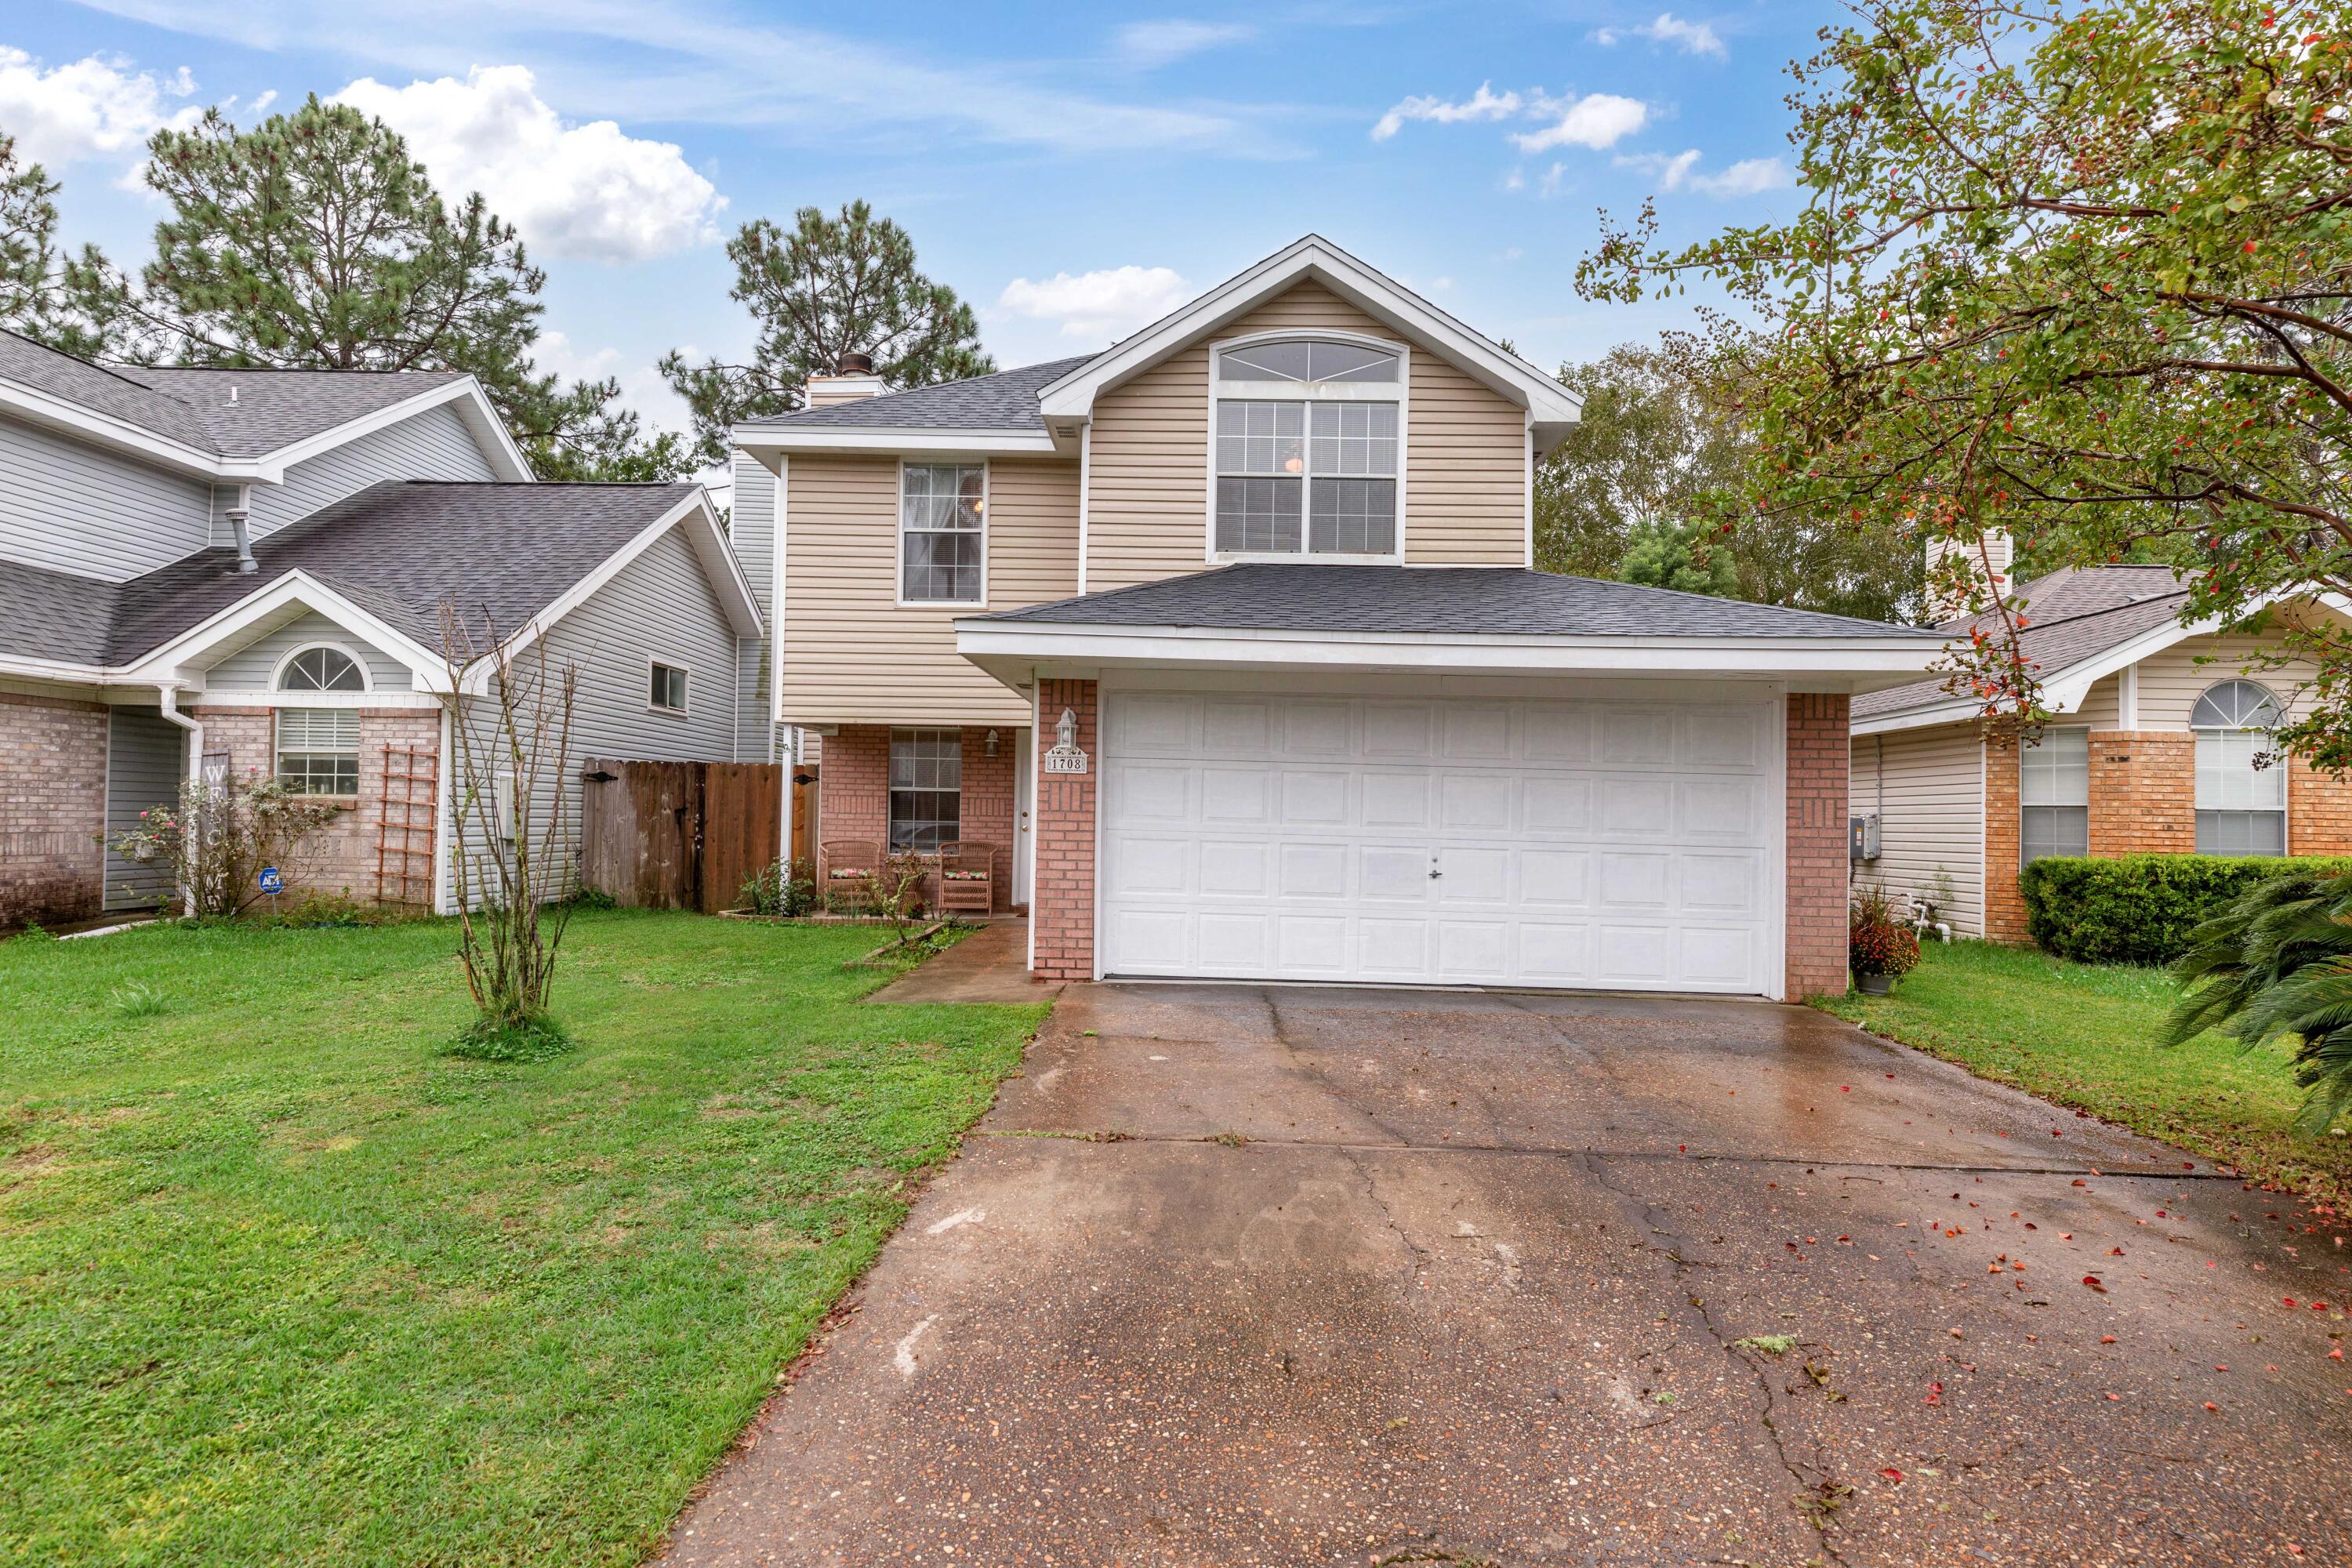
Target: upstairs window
2053, 794
2241, 805
1308, 433
942, 509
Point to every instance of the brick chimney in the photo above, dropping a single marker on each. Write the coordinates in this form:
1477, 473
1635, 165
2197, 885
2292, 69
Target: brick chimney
856, 379
1941, 605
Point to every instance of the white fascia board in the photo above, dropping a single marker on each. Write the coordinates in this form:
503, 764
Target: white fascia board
884, 440
475, 408
1867, 661
292, 588
117, 434
710, 548
52, 669
1550, 404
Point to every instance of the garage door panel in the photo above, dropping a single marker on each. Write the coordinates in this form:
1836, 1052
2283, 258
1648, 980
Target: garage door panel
1576, 844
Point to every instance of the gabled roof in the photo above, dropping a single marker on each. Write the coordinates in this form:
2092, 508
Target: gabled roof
505, 554
1474, 601
231, 424
2073, 616
1005, 401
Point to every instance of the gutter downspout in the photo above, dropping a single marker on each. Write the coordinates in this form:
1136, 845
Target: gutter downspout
169, 702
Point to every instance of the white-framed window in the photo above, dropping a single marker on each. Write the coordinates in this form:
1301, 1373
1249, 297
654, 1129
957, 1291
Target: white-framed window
321, 667
1308, 447
318, 750
2053, 794
2241, 803
943, 533
926, 788
665, 688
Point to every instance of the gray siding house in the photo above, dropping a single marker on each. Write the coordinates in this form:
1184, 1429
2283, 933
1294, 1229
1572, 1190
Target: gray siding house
244, 572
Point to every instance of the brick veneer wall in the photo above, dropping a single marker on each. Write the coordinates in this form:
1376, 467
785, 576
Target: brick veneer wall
341, 860
2004, 906
1062, 893
1818, 753
52, 809
855, 799
2143, 792
2318, 810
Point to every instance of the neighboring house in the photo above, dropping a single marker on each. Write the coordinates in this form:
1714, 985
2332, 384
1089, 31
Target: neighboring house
243, 571
1267, 562
2158, 746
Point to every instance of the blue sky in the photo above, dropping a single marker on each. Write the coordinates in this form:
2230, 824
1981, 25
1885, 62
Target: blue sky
1072, 172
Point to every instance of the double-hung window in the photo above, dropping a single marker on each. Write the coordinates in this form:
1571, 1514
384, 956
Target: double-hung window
926, 788
2053, 794
318, 750
941, 540
1309, 440
2241, 802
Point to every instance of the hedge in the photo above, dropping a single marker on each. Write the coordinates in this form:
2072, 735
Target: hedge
2139, 908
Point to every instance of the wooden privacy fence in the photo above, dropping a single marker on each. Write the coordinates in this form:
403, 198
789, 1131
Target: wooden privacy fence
678, 835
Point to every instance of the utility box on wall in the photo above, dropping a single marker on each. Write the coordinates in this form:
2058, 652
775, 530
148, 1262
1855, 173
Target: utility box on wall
1863, 831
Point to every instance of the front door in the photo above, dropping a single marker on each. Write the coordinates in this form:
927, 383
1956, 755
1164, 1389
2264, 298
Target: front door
1024, 814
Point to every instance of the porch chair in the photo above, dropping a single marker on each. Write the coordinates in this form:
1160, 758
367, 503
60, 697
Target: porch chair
846, 866
967, 876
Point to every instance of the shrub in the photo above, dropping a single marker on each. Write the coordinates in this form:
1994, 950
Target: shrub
2141, 908
1877, 944
219, 837
2276, 963
780, 887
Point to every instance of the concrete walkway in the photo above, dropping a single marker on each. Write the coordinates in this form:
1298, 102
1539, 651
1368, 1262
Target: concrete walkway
1256, 1275
992, 964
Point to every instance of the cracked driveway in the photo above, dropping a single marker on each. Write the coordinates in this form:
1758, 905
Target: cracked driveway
1382, 1277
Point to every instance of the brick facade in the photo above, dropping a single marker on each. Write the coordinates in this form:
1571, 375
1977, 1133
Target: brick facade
2143, 792
2318, 810
1062, 903
52, 809
854, 802
341, 860
2004, 906
1819, 754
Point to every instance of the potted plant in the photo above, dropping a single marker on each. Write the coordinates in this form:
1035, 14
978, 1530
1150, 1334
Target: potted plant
1880, 948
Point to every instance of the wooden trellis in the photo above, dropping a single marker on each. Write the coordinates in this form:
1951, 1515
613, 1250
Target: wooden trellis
406, 825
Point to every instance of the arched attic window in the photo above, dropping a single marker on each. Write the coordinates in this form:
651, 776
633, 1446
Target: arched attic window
1309, 442
322, 668
2241, 805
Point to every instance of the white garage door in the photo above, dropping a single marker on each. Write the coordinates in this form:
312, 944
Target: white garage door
1608, 843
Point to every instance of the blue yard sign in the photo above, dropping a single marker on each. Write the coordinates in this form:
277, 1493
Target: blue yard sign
271, 882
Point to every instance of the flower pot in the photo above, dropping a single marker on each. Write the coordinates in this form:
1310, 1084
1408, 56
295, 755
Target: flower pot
1874, 984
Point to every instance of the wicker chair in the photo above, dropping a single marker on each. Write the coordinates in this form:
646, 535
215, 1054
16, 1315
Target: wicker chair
967, 876
845, 869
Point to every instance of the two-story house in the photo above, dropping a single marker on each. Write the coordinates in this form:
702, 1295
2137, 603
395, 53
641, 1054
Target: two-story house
218, 571
1227, 639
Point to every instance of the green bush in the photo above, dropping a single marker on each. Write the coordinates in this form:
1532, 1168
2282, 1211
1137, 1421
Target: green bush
2140, 909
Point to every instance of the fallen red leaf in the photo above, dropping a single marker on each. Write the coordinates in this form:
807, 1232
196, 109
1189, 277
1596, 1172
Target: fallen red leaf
1892, 1474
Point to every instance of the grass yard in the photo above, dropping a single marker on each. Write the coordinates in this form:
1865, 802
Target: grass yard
280, 1283
2084, 1036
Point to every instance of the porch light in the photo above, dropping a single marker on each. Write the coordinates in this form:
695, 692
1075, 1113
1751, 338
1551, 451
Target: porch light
990, 743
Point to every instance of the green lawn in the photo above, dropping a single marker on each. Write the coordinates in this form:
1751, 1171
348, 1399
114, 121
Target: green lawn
2084, 1035
279, 1283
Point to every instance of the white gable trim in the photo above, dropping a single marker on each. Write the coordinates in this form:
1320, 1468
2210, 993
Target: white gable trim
122, 435
711, 550
884, 439
176, 661
1551, 406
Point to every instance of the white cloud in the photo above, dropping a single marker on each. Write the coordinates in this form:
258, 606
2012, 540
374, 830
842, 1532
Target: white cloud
1098, 306
1691, 38
1745, 178
1597, 121
1483, 104
1552, 177
95, 108
584, 190
1147, 45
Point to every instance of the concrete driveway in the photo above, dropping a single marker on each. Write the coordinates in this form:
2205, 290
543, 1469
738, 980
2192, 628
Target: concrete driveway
1274, 1274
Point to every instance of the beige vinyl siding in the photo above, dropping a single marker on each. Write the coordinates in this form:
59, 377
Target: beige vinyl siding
1148, 506
2171, 679
1931, 820
851, 654
2102, 706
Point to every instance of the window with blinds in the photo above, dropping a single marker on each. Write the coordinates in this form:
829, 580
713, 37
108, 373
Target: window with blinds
318, 750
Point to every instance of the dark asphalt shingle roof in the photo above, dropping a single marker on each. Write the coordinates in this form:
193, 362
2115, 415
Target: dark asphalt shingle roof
502, 552
1005, 401
274, 408
1436, 600
2072, 615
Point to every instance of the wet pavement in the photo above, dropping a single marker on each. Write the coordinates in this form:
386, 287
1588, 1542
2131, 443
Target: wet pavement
1282, 1275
